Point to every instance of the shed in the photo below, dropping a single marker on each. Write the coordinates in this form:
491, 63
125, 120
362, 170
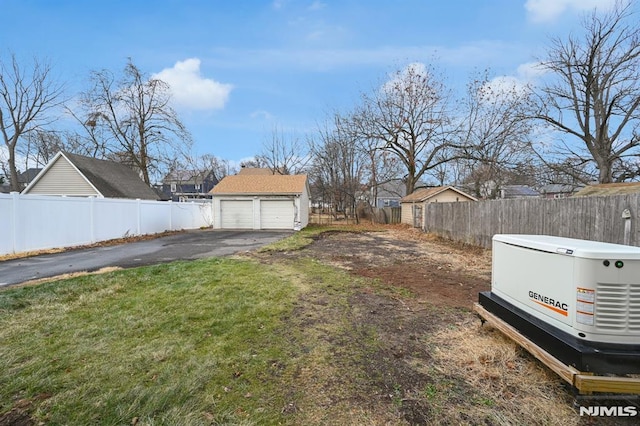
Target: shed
79, 176
254, 201
413, 204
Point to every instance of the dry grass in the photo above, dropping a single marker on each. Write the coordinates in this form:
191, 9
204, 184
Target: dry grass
65, 277
513, 386
24, 254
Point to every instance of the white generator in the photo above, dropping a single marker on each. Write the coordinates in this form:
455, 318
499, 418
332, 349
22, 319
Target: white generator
578, 299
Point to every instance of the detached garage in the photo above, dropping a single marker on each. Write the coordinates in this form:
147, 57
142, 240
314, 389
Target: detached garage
247, 201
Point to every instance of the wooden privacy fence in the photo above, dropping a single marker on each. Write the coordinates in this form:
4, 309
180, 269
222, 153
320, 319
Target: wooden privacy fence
388, 215
612, 219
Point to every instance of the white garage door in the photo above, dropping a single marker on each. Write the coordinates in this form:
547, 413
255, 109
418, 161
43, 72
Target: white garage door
236, 214
277, 214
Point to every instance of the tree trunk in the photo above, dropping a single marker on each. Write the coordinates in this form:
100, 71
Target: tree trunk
13, 171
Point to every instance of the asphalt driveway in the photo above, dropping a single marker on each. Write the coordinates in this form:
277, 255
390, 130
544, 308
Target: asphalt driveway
189, 245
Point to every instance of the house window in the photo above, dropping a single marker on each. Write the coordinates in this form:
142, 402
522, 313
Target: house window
173, 187
197, 187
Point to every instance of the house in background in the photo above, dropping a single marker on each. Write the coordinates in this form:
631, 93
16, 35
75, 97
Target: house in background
5, 188
75, 175
389, 194
517, 191
413, 204
261, 201
185, 185
558, 190
24, 179
609, 189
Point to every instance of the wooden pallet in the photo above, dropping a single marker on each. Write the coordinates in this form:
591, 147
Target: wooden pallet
585, 383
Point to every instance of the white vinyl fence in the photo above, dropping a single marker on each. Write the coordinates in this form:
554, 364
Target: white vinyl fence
37, 222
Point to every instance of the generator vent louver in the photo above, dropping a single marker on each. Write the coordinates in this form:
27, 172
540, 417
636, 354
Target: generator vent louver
618, 307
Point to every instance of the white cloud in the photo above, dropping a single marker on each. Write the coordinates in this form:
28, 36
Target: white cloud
278, 4
191, 90
505, 85
518, 84
261, 114
530, 71
317, 5
550, 10
398, 80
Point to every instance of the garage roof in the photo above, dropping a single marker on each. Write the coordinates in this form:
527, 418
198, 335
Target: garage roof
261, 184
423, 194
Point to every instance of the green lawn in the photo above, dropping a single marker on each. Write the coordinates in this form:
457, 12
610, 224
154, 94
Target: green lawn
181, 343
266, 339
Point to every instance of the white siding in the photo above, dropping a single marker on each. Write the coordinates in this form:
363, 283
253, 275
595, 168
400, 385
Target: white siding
63, 179
407, 212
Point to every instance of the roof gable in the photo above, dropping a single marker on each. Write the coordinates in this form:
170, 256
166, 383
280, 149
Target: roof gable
261, 184
424, 194
109, 178
255, 171
394, 188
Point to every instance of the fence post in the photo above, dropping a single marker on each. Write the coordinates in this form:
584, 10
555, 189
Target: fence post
15, 199
170, 215
92, 219
626, 216
139, 214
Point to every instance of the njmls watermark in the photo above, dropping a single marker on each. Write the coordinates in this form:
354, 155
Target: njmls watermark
609, 411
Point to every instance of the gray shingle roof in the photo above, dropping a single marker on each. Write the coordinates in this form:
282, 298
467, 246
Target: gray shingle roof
518, 191
113, 180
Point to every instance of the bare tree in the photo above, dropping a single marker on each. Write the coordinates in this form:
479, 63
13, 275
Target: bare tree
409, 116
284, 156
594, 97
255, 162
494, 134
208, 163
40, 146
381, 166
338, 167
132, 120
27, 98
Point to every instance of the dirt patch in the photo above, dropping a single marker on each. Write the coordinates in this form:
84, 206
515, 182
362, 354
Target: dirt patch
19, 415
441, 272
409, 349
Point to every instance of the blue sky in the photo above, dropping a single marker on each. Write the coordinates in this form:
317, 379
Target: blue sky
240, 69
